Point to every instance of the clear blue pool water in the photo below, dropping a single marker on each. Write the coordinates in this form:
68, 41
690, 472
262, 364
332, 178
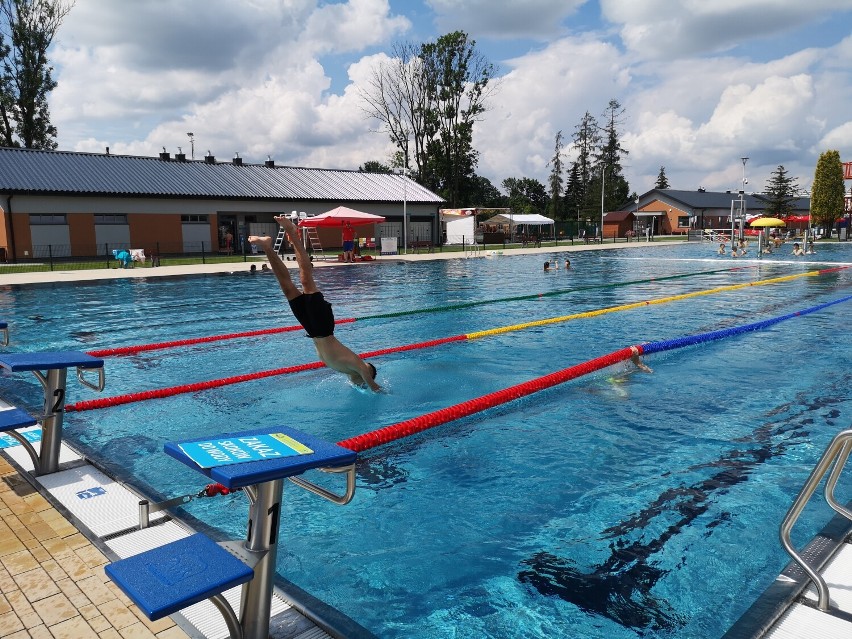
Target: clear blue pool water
617, 505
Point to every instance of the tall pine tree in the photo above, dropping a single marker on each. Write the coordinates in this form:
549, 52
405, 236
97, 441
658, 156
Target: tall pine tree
556, 180
780, 191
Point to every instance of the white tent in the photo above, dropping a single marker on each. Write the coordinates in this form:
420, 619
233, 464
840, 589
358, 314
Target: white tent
459, 225
525, 220
531, 219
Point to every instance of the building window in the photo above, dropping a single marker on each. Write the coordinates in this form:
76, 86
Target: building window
48, 218
683, 222
110, 218
193, 219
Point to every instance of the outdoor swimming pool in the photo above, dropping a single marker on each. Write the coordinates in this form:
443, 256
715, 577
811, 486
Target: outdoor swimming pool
619, 504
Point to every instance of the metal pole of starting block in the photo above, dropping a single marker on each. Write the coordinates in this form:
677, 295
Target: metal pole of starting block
261, 538
54, 413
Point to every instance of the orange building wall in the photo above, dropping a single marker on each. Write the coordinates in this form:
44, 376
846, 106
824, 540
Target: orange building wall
23, 237
145, 235
81, 233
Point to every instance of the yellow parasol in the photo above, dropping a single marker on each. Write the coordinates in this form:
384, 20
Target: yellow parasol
767, 221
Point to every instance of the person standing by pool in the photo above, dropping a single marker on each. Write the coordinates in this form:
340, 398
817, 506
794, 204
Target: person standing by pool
311, 309
348, 242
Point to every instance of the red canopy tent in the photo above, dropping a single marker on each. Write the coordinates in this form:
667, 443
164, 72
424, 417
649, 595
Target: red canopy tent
337, 217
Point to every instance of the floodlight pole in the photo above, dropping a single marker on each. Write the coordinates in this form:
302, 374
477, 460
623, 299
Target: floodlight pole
404, 173
603, 190
742, 201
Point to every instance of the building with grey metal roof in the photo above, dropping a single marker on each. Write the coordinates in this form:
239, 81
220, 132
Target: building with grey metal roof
672, 211
60, 198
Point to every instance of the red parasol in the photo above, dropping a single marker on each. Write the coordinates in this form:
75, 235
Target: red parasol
337, 217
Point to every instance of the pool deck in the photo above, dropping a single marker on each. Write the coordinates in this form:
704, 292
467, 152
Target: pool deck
43, 277
52, 580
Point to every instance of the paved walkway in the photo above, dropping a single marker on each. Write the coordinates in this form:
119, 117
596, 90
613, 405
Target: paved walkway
44, 277
52, 581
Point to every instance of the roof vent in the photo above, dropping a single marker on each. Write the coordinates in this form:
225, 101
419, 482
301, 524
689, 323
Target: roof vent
209, 158
107, 150
237, 159
270, 163
180, 157
165, 155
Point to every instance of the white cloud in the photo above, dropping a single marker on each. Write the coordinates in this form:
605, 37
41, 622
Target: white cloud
258, 77
535, 19
674, 28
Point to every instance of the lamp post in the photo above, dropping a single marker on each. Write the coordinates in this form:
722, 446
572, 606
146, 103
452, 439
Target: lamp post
742, 201
637, 212
603, 190
404, 173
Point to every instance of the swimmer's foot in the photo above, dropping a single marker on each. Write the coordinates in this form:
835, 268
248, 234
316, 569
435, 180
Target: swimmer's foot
291, 229
262, 242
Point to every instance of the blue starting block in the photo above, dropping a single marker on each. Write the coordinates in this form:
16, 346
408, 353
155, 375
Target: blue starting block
12, 418
55, 366
256, 461
167, 579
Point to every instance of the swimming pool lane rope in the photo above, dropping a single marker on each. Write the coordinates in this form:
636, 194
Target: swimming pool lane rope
105, 402
387, 434
140, 348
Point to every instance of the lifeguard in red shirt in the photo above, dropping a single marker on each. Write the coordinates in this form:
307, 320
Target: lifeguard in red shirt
348, 242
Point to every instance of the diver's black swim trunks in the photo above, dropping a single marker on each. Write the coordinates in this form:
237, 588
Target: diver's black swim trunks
314, 313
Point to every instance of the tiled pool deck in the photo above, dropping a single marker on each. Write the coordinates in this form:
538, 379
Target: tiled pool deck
52, 581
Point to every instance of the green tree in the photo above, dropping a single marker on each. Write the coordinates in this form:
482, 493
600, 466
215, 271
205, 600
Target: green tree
662, 181
457, 83
828, 190
427, 98
608, 173
556, 180
27, 28
585, 143
525, 195
483, 194
780, 191
573, 193
374, 166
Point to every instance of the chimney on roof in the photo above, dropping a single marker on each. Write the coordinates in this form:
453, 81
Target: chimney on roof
165, 155
237, 159
209, 158
270, 163
107, 150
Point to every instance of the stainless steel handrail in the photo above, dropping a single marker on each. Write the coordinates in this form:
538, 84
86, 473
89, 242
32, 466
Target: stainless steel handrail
836, 454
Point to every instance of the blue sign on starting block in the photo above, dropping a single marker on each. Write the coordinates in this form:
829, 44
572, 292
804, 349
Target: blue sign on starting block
247, 448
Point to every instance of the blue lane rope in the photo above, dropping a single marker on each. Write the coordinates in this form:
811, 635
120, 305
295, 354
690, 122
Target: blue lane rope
689, 340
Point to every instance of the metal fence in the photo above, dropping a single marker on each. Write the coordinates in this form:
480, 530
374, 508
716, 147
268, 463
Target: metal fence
55, 257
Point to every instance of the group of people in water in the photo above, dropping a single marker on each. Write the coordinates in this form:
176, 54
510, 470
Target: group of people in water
742, 249
554, 265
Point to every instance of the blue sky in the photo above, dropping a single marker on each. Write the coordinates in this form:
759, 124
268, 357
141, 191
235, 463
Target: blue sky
702, 83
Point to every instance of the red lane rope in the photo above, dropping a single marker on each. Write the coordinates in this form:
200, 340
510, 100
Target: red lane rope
408, 427
105, 402
132, 350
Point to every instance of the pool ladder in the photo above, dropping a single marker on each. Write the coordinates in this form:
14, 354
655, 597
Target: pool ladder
834, 459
